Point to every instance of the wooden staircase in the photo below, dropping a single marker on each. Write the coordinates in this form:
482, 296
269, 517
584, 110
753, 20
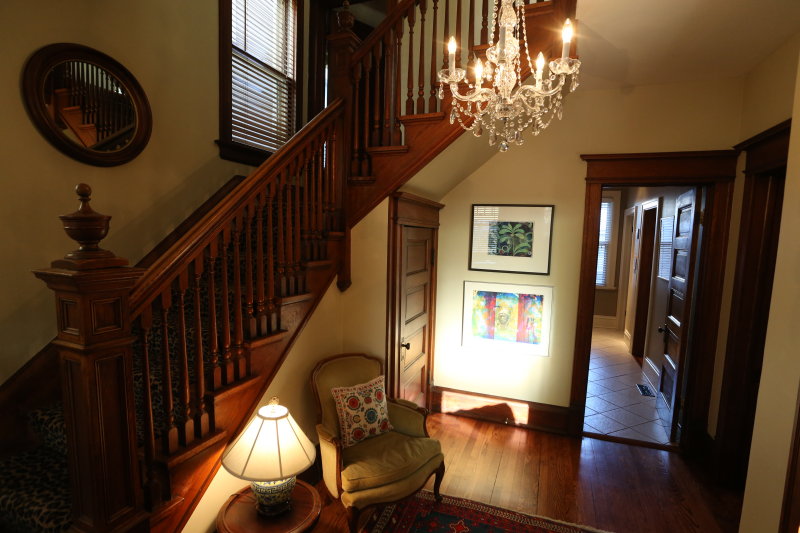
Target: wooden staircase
189, 340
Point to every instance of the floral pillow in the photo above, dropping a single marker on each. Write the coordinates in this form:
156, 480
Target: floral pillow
362, 411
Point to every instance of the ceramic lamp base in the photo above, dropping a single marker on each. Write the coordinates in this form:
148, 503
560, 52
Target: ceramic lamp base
273, 497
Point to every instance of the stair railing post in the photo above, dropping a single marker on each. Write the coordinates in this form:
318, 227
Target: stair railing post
92, 289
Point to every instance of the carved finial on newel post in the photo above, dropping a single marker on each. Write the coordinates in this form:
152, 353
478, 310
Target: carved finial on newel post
345, 17
95, 344
87, 227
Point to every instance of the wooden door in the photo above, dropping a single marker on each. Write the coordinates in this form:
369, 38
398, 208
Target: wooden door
412, 296
647, 238
415, 297
678, 311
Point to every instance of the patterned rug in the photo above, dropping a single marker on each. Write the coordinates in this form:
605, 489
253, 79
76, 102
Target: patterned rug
420, 513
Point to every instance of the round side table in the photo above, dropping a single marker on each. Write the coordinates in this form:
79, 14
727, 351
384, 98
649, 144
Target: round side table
239, 514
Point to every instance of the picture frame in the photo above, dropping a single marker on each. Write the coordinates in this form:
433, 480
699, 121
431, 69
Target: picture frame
507, 318
512, 238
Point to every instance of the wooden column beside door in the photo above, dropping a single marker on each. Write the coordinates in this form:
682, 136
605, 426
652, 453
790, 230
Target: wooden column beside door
411, 299
92, 289
765, 175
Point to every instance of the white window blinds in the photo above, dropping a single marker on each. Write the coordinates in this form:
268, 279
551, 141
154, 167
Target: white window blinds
263, 72
607, 245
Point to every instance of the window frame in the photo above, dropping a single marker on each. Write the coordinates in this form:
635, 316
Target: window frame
615, 197
228, 148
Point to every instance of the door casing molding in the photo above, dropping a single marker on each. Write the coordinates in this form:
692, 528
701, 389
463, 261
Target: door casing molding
715, 170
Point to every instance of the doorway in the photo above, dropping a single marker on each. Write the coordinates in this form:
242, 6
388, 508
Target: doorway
631, 390
712, 172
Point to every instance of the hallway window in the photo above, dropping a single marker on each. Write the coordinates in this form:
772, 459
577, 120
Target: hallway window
607, 246
258, 77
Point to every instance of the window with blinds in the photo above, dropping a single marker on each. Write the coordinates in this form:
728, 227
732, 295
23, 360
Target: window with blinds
262, 72
606, 248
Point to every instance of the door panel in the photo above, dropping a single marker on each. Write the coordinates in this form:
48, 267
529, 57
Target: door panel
415, 297
684, 249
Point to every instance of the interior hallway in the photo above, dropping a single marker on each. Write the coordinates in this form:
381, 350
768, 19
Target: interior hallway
607, 485
614, 405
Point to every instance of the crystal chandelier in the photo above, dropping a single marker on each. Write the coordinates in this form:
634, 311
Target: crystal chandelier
507, 107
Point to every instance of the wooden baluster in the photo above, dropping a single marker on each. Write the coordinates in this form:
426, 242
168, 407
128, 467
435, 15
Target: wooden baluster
169, 439
320, 207
281, 267
215, 369
388, 86
308, 173
298, 267
227, 355
252, 330
433, 104
355, 166
239, 361
398, 81
288, 227
446, 35
320, 224
377, 99
423, 6
261, 305
410, 81
151, 483
485, 23
187, 431
471, 29
201, 418
272, 308
461, 45
367, 100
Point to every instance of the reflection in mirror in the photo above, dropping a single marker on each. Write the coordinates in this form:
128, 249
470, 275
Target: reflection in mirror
89, 106
86, 104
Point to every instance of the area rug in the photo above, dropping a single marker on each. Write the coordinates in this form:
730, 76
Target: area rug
420, 513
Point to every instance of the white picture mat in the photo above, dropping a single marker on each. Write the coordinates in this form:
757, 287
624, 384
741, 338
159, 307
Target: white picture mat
542, 219
497, 346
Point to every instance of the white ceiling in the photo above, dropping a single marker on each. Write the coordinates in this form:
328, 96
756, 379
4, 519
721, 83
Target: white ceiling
637, 42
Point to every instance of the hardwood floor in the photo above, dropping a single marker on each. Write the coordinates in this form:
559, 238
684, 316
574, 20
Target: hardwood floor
606, 485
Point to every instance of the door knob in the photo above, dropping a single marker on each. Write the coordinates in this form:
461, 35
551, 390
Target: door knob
662, 329
406, 345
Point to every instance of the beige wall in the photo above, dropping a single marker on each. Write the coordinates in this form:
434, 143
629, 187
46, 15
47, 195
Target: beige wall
171, 48
364, 303
780, 375
548, 170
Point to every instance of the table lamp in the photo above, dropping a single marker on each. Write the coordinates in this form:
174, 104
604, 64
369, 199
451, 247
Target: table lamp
269, 453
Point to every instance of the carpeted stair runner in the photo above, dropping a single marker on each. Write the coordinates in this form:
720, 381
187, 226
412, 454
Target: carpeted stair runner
34, 485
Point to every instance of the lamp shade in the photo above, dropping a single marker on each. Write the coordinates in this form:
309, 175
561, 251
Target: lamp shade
271, 447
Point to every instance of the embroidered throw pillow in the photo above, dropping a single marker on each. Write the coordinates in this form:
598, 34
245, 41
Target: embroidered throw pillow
362, 411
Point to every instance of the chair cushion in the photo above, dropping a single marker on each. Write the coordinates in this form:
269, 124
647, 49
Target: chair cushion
362, 411
387, 458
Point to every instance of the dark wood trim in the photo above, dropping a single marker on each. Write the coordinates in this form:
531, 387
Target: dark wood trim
541, 416
790, 511
635, 442
714, 170
406, 209
647, 244
765, 176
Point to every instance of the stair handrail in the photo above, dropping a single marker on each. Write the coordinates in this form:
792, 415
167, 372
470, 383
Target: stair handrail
178, 256
376, 35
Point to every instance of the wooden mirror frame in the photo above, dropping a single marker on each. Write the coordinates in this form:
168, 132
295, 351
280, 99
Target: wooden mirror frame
34, 76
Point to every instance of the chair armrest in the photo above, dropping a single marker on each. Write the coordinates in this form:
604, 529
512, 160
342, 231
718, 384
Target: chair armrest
330, 449
407, 417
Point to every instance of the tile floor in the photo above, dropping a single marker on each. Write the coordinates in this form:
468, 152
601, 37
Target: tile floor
614, 405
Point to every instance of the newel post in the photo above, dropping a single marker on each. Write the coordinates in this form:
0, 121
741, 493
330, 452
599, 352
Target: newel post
92, 289
341, 46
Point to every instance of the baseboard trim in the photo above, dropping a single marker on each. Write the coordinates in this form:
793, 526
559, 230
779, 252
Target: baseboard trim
508, 411
605, 321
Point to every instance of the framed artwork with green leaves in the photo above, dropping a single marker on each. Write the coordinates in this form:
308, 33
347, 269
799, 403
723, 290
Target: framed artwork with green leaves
511, 238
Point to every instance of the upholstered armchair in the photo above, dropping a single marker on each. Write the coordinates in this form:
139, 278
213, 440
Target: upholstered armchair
381, 469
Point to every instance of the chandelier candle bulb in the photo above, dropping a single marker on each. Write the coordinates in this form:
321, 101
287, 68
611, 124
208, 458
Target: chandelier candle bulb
451, 48
566, 36
478, 72
539, 70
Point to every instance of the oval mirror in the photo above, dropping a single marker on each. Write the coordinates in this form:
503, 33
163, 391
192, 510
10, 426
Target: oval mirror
86, 104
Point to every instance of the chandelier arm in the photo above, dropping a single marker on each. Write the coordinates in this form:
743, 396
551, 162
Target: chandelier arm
484, 94
527, 91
